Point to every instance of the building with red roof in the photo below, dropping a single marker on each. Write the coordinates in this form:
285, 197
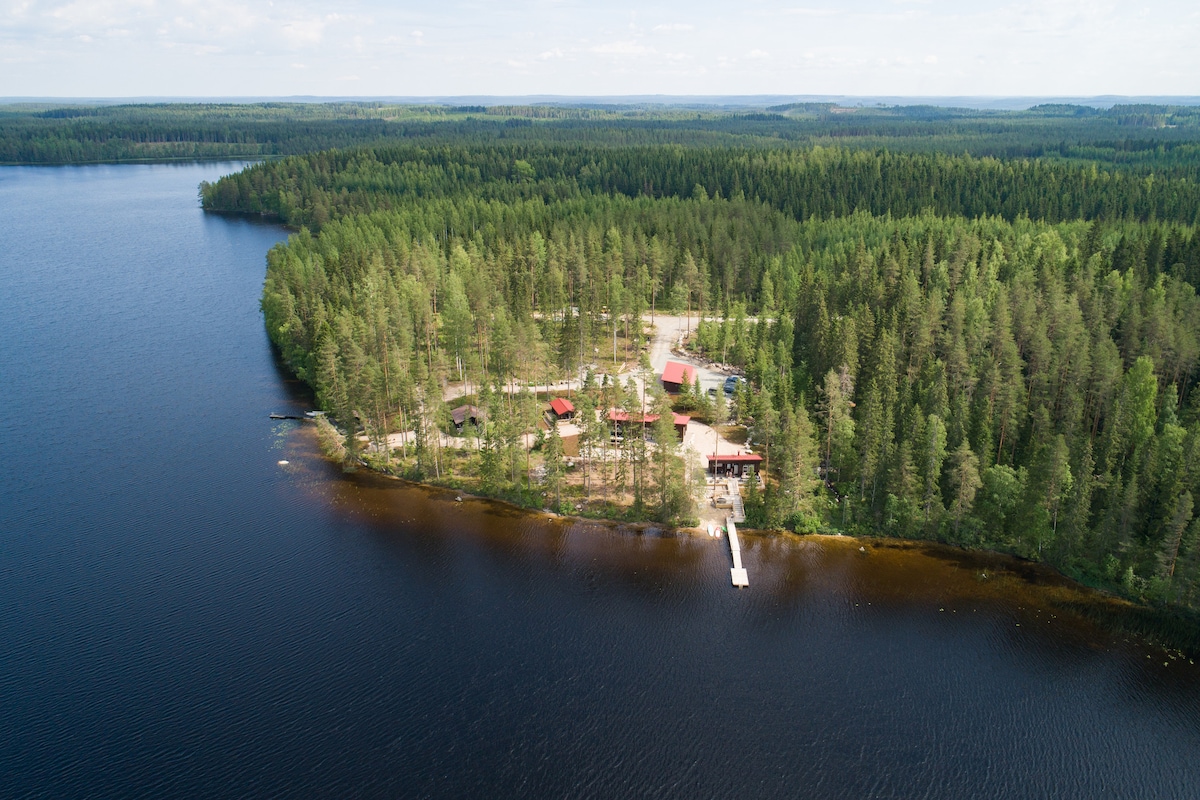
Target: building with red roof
625, 417
622, 419
562, 408
674, 374
733, 464
681, 423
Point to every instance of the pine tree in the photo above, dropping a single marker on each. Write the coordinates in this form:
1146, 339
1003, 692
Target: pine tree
797, 460
965, 482
932, 456
555, 467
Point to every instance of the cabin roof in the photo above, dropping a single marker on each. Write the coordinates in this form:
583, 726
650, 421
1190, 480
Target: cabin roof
617, 415
674, 372
463, 413
735, 458
561, 405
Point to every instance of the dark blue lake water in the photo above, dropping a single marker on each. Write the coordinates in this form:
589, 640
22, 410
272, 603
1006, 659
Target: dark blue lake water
182, 616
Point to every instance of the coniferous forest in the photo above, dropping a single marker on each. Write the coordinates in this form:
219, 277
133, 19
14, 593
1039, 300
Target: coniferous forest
977, 329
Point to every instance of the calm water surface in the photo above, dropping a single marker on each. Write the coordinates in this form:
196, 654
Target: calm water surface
181, 616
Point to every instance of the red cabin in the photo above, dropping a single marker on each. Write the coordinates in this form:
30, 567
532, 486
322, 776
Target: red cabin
621, 420
732, 464
562, 408
674, 375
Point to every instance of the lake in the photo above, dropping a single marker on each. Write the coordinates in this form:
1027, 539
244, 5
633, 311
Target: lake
183, 616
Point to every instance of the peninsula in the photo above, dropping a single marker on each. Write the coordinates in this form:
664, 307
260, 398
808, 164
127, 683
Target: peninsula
991, 352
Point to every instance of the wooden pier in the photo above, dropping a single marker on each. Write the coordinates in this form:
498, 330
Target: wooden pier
738, 573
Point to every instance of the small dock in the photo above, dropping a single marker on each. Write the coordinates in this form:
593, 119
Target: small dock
309, 416
738, 573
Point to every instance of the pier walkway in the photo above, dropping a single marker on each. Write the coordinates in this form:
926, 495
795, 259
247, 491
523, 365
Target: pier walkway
738, 573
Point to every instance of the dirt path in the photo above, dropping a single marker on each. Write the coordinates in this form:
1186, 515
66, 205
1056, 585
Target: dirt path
668, 334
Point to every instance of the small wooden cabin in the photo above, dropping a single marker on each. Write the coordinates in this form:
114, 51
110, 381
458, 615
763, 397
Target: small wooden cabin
681, 423
465, 414
562, 408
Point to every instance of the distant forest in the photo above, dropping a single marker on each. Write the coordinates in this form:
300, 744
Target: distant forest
975, 327
1163, 140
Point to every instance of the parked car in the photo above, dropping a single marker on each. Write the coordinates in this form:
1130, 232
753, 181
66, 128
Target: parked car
731, 383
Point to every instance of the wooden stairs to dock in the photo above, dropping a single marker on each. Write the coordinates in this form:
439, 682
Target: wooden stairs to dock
735, 494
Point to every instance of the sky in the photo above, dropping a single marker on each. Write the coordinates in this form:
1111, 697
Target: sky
229, 48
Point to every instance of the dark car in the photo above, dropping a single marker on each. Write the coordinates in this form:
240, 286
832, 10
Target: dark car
731, 383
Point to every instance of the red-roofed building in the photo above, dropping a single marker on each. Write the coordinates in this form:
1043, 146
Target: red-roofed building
674, 374
732, 464
623, 419
681, 423
562, 408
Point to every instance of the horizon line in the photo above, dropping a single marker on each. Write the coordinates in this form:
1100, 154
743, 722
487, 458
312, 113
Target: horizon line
1011, 102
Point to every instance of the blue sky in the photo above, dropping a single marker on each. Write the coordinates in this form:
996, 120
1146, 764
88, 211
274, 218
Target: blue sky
127, 48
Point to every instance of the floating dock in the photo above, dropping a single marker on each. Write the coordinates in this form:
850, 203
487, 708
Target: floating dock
738, 573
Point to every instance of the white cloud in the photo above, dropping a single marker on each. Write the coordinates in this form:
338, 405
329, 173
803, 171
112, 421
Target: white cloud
808, 12
623, 48
103, 14
138, 47
301, 32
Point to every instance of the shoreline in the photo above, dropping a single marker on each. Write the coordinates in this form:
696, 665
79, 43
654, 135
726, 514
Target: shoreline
1163, 626
1167, 628
465, 494
1170, 629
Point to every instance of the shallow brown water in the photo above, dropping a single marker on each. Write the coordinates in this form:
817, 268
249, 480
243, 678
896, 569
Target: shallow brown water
883, 574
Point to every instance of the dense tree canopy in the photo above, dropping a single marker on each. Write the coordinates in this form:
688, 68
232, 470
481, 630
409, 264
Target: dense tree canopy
816, 182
